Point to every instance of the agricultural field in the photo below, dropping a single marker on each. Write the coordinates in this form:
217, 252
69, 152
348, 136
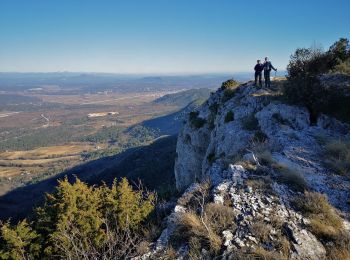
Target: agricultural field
50, 133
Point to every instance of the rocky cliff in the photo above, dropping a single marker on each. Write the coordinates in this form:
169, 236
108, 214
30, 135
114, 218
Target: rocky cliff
269, 170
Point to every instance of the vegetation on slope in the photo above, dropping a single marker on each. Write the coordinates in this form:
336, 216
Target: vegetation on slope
303, 86
78, 221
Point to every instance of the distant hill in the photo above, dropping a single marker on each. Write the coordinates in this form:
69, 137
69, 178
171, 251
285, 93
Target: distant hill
183, 98
152, 164
171, 124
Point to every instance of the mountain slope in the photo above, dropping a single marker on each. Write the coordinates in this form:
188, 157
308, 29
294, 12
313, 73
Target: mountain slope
172, 123
272, 192
183, 98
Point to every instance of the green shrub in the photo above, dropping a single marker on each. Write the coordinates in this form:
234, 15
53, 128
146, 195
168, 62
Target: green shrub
74, 218
229, 84
229, 117
196, 122
343, 67
303, 86
19, 241
250, 123
211, 158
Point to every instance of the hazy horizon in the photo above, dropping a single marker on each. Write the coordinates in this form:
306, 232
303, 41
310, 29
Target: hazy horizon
162, 37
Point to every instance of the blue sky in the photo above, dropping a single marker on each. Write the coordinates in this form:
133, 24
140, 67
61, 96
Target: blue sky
162, 36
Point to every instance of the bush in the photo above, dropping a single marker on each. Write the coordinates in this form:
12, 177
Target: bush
338, 156
211, 158
343, 67
303, 86
229, 117
250, 123
196, 122
229, 84
324, 221
291, 178
78, 221
19, 241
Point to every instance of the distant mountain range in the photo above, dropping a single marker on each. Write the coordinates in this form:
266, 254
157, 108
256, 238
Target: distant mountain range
90, 82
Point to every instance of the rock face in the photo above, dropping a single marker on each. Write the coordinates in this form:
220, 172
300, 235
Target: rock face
293, 142
249, 129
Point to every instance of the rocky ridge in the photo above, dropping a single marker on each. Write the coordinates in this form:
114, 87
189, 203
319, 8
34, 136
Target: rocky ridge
238, 144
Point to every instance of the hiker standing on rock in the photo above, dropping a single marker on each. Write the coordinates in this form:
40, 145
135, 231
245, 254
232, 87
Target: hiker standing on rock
258, 70
267, 69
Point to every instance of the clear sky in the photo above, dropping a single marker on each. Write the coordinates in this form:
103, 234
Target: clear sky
162, 36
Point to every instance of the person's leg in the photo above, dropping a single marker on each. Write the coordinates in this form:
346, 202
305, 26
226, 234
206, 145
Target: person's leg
266, 78
256, 78
260, 82
268, 81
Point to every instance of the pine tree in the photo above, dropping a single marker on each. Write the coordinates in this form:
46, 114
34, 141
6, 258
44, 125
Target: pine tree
70, 218
19, 241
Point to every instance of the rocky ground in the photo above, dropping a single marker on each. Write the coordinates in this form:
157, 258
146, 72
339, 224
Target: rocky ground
258, 154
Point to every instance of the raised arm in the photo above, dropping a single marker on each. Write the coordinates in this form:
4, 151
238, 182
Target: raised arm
273, 67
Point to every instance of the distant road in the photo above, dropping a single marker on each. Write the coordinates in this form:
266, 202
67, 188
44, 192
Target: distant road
8, 114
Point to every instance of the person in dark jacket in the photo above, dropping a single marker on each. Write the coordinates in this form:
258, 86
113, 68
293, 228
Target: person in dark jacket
267, 69
258, 70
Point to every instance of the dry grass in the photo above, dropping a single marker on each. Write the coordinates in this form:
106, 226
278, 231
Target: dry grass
143, 247
261, 230
280, 243
290, 177
46, 152
246, 165
192, 228
265, 157
201, 228
338, 156
261, 253
6, 172
219, 217
192, 199
324, 221
263, 184
340, 247
262, 151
